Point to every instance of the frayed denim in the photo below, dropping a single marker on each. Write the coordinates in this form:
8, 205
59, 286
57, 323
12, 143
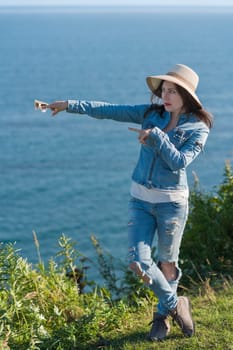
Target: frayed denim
162, 224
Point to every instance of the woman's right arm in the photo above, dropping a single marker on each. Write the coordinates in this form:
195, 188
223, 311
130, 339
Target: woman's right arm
101, 110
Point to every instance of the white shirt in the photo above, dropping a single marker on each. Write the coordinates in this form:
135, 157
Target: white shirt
158, 195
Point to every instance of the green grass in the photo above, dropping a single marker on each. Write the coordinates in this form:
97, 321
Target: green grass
214, 327
42, 309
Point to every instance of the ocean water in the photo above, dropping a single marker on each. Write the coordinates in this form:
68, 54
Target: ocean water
71, 174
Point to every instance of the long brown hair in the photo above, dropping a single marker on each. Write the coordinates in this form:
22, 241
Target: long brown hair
190, 105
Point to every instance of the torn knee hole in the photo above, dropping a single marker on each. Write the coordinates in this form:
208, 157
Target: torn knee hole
169, 270
137, 269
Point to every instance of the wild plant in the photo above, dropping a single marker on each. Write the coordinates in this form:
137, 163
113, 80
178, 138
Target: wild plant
208, 240
42, 308
120, 282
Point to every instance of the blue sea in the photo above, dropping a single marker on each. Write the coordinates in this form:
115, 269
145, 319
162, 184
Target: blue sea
71, 174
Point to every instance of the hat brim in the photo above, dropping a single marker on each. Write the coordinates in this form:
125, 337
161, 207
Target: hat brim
154, 81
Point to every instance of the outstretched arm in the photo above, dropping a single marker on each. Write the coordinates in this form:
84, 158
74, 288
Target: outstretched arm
101, 110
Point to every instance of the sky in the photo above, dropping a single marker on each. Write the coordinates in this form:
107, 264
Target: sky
117, 2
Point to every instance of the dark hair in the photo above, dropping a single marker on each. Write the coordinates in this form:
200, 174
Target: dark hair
190, 105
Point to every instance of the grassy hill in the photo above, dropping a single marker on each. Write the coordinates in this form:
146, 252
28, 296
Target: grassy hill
42, 308
45, 307
214, 327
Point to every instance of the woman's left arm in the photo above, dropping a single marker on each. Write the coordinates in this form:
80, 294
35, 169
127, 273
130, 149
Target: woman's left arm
178, 158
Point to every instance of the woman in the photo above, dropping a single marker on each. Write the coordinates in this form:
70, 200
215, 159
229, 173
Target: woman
172, 135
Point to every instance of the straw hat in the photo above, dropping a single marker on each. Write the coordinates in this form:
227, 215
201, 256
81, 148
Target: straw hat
179, 74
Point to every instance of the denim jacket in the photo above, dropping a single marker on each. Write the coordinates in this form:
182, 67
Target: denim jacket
163, 160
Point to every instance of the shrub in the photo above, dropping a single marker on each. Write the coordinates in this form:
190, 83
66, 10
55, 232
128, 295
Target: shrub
208, 240
42, 308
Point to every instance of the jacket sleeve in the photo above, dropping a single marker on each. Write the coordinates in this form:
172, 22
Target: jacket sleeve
174, 158
104, 110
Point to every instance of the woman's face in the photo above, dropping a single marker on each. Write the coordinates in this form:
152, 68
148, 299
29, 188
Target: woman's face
172, 100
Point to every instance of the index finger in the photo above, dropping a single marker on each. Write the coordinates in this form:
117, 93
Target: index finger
50, 105
134, 129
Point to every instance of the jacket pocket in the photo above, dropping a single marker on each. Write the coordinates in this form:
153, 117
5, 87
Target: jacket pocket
180, 136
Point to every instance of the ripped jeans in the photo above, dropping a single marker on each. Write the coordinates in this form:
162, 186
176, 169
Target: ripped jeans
163, 224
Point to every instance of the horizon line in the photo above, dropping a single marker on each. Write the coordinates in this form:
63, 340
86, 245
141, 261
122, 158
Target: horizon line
116, 5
